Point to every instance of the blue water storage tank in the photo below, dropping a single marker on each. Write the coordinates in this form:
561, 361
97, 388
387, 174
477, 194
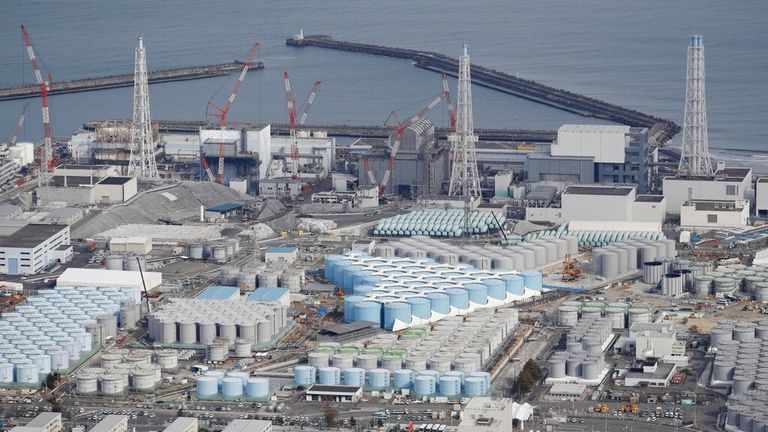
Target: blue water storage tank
354, 376
450, 385
304, 375
420, 307
461, 375
496, 288
378, 378
478, 293
514, 284
350, 271
349, 307
532, 279
257, 387
459, 297
362, 290
402, 378
329, 376
484, 375
424, 385
368, 311
232, 387
207, 385
439, 302
331, 262
433, 373
400, 311
474, 386
219, 375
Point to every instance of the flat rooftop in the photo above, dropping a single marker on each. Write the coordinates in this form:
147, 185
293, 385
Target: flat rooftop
43, 419
218, 292
717, 205
115, 180
341, 329
649, 198
74, 181
31, 235
333, 389
248, 426
223, 208
109, 423
599, 190
267, 294
180, 424
662, 372
278, 249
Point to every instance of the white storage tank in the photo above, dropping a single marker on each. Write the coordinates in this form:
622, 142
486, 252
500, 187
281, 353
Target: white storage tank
218, 350
143, 380
167, 359
242, 348
112, 384
87, 384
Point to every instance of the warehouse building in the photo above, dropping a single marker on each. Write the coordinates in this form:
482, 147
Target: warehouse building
137, 245
334, 393
270, 294
217, 292
43, 422
33, 248
248, 426
280, 255
652, 340
183, 424
116, 189
112, 423
649, 373
604, 203
484, 414
711, 214
728, 184
81, 277
595, 154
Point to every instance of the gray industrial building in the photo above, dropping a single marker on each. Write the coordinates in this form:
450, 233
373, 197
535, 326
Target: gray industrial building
421, 166
591, 162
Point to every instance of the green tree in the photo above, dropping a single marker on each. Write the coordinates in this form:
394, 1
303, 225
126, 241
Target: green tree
330, 415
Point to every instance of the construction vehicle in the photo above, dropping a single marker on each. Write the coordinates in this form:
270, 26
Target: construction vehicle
570, 271
223, 111
12, 299
291, 102
602, 408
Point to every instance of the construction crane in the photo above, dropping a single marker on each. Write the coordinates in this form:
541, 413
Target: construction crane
19, 124
205, 165
307, 106
570, 271
449, 102
397, 131
223, 111
45, 87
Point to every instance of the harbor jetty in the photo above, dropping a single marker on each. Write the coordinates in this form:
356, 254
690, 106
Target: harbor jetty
126, 80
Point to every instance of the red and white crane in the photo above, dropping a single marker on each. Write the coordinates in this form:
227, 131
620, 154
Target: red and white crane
397, 131
291, 103
223, 111
449, 102
45, 86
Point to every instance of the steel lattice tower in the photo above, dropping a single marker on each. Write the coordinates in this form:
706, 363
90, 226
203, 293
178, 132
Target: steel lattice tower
694, 153
142, 162
464, 178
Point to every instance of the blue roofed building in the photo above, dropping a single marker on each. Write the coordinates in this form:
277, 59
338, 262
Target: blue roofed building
222, 211
280, 255
218, 292
274, 295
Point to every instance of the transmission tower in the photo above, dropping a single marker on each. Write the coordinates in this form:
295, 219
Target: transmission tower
694, 153
464, 178
142, 162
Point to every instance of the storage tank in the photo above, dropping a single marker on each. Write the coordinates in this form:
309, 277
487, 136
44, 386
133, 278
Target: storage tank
329, 376
257, 387
424, 385
87, 383
187, 332
439, 302
402, 378
143, 380
589, 313
319, 359
232, 387
567, 315
477, 293
114, 262
196, 251
474, 386
440, 364
349, 307
638, 314
647, 253
573, 365
416, 363
112, 384
391, 362
207, 330
242, 348
378, 378
133, 262
741, 384
672, 284
268, 279
395, 311
109, 323
459, 298
110, 360
246, 280
368, 311
450, 385
367, 361
219, 253
617, 316
6, 373
702, 285
557, 366
652, 272
354, 376
304, 375
590, 369
343, 360
218, 350
532, 280
514, 284
609, 267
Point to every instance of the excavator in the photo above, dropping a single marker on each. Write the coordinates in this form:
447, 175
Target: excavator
570, 271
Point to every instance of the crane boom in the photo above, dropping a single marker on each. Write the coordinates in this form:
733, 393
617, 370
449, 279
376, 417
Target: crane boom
45, 87
308, 103
449, 102
399, 130
19, 124
223, 111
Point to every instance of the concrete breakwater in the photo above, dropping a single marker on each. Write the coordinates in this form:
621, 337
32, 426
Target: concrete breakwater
125, 80
661, 130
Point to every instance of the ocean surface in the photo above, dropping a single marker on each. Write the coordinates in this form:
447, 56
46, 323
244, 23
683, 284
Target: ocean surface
628, 52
